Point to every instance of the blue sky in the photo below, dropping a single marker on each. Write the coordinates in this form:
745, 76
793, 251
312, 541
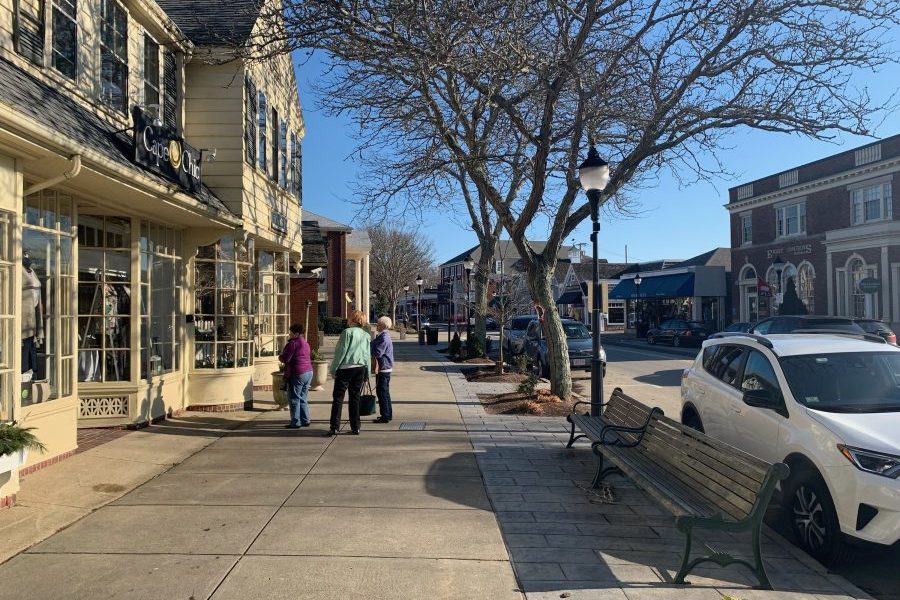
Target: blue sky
672, 221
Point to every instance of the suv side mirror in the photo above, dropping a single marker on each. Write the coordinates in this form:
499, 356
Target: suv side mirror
762, 399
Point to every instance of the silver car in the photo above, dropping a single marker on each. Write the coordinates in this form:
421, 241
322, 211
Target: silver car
578, 340
514, 334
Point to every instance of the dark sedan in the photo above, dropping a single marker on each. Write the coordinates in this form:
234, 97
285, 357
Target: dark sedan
678, 332
739, 327
796, 323
878, 328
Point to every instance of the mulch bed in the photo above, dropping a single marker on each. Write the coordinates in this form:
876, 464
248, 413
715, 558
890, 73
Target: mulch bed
491, 376
541, 403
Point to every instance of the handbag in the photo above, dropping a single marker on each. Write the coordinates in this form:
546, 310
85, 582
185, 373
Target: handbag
367, 401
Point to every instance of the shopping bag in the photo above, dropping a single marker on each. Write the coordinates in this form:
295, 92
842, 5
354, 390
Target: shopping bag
367, 400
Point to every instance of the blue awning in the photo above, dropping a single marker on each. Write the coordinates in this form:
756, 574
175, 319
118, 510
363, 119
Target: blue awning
571, 297
680, 285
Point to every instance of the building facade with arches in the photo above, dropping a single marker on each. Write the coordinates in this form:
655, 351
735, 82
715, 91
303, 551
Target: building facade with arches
827, 229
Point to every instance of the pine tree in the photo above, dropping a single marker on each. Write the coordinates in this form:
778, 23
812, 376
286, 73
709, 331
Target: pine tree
791, 303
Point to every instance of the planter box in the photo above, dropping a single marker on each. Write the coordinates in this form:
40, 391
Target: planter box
278, 394
320, 374
9, 462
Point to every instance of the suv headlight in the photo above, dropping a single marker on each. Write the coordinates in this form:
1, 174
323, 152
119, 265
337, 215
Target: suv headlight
872, 462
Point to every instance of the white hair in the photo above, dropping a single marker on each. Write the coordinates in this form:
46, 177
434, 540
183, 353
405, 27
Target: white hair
385, 322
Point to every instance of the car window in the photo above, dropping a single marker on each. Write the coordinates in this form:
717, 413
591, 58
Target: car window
521, 323
576, 331
836, 324
762, 327
666, 325
846, 382
709, 357
727, 364
759, 374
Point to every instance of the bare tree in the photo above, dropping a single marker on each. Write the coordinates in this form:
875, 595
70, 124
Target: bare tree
656, 85
397, 257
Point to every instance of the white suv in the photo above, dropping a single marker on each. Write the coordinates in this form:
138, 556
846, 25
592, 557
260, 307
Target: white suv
827, 405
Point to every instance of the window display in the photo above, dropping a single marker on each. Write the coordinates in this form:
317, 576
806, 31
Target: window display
274, 306
104, 298
223, 321
47, 281
160, 299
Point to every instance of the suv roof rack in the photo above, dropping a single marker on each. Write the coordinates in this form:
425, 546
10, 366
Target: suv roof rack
761, 340
871, 337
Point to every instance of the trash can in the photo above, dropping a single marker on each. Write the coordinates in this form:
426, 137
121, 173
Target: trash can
421, 333
432, 336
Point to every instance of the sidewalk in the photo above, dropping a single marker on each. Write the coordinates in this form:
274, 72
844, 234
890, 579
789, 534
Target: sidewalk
251, 510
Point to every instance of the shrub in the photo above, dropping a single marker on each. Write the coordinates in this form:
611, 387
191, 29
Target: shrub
527, 386
14, 438
334, 325
455, 346
475, 347
315, 355
520, 362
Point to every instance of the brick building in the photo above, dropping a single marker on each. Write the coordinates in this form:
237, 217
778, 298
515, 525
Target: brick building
830, 222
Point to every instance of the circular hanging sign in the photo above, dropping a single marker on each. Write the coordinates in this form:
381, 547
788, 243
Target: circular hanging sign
869, 285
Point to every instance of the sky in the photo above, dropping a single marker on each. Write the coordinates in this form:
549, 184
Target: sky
671, 221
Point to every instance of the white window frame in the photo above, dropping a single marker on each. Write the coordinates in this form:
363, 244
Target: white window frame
746, 229
881, 196
781, 219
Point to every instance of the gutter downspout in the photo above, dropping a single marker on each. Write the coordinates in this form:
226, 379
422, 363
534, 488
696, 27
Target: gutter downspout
74, 160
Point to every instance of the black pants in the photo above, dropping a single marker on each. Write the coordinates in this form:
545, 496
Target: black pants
352, 381
383, 390
29, 356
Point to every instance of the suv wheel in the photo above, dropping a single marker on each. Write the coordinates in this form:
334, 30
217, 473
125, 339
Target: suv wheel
813, 518
650, 339
693, 421
676, 341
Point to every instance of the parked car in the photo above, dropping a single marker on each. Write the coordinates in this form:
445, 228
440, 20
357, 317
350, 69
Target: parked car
514, 334
878, 328
792, 323
740, 327
578, 340
827, 405
678, 332
424, 322
490, 323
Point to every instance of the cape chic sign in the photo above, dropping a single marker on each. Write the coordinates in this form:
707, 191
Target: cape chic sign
160, 149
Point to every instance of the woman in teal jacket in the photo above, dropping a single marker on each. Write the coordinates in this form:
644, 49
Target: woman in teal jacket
350, 367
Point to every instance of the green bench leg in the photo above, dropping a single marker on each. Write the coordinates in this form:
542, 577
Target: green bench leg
724, 559
572, 437
686, 558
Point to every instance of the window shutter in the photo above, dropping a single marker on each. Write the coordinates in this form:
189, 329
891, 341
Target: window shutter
170, 91
275, 135
250, 122
29, 30
298, 170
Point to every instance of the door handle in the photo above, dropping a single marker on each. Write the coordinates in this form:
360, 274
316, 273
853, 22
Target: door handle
737, 409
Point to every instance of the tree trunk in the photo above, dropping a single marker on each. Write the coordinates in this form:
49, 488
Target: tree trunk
481, 280
557, 349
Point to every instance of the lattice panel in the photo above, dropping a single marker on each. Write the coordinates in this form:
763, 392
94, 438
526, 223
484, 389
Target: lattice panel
105, 407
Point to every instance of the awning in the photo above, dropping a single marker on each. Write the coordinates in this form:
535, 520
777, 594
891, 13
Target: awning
571, 297
680, 285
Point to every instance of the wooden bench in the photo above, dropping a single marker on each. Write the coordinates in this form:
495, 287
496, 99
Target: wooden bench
704, 483
622, 422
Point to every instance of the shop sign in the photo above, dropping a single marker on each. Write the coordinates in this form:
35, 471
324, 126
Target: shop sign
798, 250
869, 285
279, 223
163, 151
763, 290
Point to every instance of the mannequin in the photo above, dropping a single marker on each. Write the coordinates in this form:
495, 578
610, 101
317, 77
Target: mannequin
32, 315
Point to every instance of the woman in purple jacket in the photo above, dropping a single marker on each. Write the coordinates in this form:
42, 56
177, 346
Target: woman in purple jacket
298, 375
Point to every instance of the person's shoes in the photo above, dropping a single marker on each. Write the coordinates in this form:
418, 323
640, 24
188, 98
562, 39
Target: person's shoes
304, 424
354, 432
291, 426
330, 433
381, 420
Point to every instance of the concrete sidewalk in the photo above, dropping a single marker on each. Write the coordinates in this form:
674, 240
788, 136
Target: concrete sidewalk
258, 511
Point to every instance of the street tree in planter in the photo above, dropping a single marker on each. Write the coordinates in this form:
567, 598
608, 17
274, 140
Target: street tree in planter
655, 86
791, 304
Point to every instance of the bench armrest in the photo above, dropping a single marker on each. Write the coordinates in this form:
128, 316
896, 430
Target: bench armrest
574, 406
622, 428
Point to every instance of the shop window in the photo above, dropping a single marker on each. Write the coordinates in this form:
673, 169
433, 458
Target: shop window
28, 29
274, 307
263, 115
113, 55
250, 112
47, 288
65, 37
283, 154
790, 219
160, 299
872, 203
616, 314
151, 74
104, 298
7, 301
806, 277
223, 321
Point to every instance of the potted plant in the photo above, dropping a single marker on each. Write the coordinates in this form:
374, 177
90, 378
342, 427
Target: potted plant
278, 389
320, 370
15, 442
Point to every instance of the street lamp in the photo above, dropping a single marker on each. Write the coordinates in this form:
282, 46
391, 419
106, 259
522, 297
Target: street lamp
405, 305
779, 267
639, 315
593, 174
419, 282
468, 264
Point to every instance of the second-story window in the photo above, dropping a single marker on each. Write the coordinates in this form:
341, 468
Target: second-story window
171, 91
263, 115
297, 162
283, 154
746, 229
65, 37
151, 73
275, 150
871, 203
28, 29
113, 55
250, 116
790, 219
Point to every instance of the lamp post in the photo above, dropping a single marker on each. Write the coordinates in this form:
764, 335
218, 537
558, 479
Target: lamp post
468, 264
419, 282
779, 267
638, 315
593, 174
405, 305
